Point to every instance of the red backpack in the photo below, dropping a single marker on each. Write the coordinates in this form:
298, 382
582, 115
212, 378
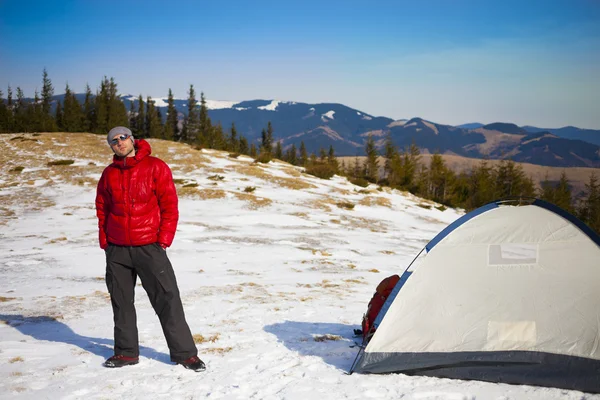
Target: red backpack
383, 291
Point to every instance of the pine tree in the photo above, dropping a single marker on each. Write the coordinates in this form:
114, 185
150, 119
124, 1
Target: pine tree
390, 153
217, 139
47, 93
563, 193
34, 119
269, 143
303, 154
547, 192
253, 153
10, 116
278, 151
395, 174
322, 154
72, 113
191, 126
233, 142
263, 139
481, 186
410, 167
9, 99
244, 146
140, 124
371, 166
4, 119
88, 111
171, 130
332, 160
47, 124
132, 116
460, 190
101, 107
589, 211
59, 116
20, 119
153, 123
357, 170
292, 157
117, 113
205, 133
510, 180
437, 179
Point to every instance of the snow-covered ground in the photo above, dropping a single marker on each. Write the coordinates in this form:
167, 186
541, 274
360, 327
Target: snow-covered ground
273, 281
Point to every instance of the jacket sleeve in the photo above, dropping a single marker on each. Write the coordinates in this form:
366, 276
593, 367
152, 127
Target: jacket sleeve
167, 202
102, 210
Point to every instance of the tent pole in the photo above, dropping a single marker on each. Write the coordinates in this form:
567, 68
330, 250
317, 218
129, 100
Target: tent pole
355, 360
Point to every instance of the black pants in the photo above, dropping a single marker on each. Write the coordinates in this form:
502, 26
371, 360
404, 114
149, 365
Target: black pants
150, 263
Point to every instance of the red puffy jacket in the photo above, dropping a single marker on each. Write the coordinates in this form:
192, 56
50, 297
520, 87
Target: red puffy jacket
136, 201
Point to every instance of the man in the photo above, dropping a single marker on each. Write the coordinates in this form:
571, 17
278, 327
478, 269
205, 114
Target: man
136, 205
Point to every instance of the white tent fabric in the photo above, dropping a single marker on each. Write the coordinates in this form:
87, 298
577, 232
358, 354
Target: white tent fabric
512, 294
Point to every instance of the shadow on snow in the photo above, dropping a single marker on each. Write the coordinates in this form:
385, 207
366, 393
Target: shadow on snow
51, 330
329, 341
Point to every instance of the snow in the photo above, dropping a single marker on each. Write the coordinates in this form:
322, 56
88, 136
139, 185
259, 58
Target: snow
260, 283
431, 126
399, 122
210, 104
271, 106
329, 114
365, 116
220, 104
161, 102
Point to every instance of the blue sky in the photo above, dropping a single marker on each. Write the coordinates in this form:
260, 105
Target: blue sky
448, 61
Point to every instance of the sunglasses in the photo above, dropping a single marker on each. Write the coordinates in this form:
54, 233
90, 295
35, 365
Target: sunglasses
120, 137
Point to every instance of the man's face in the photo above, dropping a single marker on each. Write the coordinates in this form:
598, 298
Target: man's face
122, 145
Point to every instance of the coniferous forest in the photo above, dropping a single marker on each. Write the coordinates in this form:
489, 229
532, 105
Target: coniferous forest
401, 169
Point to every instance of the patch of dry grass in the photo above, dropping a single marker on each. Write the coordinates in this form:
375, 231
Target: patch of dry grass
365, 223
345, 205
253, 202
326, 337
375, 201
257, 171
217, 350
16, 359
358, 281
57, 240
321, 252
201, 194
5, 299
323, 203
199, 338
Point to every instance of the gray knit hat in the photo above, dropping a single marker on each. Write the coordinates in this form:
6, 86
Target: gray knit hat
118, 131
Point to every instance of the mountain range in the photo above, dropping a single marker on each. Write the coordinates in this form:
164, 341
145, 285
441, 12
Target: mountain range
347, 129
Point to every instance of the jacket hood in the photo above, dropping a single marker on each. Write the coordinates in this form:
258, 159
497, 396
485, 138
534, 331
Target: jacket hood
142, 150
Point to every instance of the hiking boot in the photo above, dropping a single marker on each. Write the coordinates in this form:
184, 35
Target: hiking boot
119, 360
193, 363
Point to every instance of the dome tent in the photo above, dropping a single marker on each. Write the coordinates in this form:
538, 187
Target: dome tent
509, 292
